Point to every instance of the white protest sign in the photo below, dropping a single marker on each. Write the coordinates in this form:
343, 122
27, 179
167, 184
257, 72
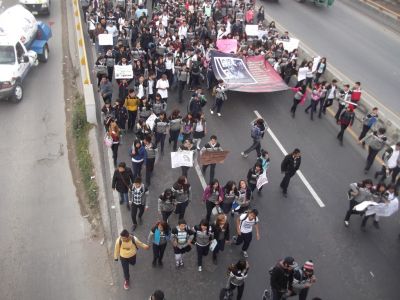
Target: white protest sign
150, 121
363, 205
262, 179
289, 45
302, 73
252, 30
316, 61
261, 33
123, 72
105, 39
182, 159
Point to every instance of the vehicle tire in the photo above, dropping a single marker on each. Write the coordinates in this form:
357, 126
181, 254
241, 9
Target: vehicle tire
18, 93
45, 56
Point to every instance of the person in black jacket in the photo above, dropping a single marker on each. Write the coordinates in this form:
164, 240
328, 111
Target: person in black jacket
252, 177
281, 280
221, 235
290, 164
121, 181
346, 119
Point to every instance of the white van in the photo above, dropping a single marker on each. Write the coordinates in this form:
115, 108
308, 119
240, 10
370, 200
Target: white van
37, 7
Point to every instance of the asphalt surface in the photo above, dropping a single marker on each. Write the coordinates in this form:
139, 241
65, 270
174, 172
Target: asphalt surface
349, 264
48, 250
359, 46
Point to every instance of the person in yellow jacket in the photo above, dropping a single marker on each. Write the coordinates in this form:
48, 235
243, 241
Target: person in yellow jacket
131, 104
126, 247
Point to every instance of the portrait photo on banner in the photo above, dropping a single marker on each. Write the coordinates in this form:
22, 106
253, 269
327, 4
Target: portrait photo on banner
233, 71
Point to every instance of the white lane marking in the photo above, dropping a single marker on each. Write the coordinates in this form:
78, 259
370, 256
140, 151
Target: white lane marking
199, 173
305, 181
372, 274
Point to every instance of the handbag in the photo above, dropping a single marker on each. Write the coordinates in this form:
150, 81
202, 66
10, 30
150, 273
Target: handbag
213, 244
108, 141
180, 137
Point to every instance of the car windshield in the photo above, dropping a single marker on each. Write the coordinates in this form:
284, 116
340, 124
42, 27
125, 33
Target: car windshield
7, 55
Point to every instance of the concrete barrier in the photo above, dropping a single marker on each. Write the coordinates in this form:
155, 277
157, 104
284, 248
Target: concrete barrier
90, 104
387, 117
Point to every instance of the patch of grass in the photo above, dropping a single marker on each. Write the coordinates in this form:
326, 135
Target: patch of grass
80, 129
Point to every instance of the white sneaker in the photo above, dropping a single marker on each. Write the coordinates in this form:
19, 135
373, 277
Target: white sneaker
245, 254
219, 114
200, 269
211, 111
243, 154
346, 223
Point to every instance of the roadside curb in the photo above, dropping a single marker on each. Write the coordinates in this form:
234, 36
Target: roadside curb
381, 9
388, 118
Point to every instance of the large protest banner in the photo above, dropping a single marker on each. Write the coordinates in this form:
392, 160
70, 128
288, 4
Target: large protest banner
181, 159
212, 157
253, 75
227, 45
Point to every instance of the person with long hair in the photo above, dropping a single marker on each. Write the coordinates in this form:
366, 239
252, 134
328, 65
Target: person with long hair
359, 192
166, 204
114, 133
175, 126
221, 235
212, 196
203, 234
159, 236
138, 155
237, 274
230, 195
182, 193
161, 128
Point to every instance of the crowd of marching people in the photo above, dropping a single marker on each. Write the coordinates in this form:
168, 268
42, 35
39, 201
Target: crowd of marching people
168, 47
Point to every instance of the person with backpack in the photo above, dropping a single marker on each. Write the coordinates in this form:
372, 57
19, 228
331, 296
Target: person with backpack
182, 193
368, 122
151, 153
182, 238
175, 127
219, 92
237, 274
199, 129
125, 249
281, 279
221, 235
346, 119
121, 181
161, 128
138, 201
257, 133
376, 141
303, 279
359, 192
289, 166
203, 234
194, 74
244, 228
159, 236
166, 204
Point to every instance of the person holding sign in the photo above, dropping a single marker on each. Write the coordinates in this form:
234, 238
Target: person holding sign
211, 146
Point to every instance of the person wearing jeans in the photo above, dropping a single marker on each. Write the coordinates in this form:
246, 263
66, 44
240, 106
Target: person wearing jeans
257, 133
151, 153
221, 235
121, 181
138, 155
166, 204
375, 141
213, 196
138, 201
125, 249
131, 104
212, 145
182, 193
244, 227
159, 236
359, 192
203, 235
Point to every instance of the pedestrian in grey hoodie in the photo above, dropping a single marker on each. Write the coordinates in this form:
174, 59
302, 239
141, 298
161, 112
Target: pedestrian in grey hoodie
359, 192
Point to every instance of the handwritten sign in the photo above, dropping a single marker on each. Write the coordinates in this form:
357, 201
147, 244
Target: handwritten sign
289, 45
227, 45
181, 159
262, 179
212, 157
123, 72
252, 30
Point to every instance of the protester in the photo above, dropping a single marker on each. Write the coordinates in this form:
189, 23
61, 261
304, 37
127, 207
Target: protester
106, 89
203, 234
242, 201
237, 275
212, 145
391, 164
132, 104
368, 121
121, 181
151, 154
187, 145
359, 192
299, 97
281, 280
182, 238
125, 249
213, 197
159, 236
199, 129
331, 95
161, 128
166, 204
182, 194
220, 97
221, 235
175, 126
376, 141
138, 156
138, 201
114, 133
252, 177
230, 196
289, 166
303, 279
346, 119
344, 100
244, 228
158, 294
257, 133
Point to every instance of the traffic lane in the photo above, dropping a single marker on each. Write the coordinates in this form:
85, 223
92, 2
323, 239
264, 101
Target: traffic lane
43, 232
347, 44
326, 222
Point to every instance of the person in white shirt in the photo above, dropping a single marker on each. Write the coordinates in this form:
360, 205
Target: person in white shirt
221, 33
162, 87
182, 32
244, 228
391, 165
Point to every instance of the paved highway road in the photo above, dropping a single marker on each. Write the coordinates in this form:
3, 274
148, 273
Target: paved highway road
360, 47
48, 252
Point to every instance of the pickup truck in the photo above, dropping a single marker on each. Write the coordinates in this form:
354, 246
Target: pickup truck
23, 44
37, 7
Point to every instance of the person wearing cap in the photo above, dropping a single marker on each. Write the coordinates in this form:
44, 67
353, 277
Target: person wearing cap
303, 279
281, 279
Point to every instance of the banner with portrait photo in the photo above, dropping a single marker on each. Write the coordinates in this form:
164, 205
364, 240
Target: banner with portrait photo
232, 70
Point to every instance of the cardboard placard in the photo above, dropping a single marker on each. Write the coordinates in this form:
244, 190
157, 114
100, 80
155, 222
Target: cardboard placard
212, 157
123, 72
